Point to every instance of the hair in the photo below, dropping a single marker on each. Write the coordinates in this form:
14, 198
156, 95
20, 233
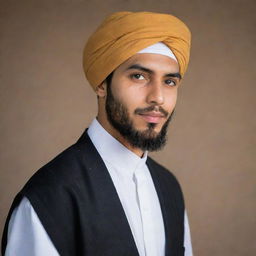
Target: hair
109, 79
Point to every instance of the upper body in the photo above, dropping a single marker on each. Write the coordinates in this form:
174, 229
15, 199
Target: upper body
137, 92
122, 168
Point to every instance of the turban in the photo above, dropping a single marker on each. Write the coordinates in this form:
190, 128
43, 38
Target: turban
123, 34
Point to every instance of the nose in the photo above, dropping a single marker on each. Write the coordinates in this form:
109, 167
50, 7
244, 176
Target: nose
155, 93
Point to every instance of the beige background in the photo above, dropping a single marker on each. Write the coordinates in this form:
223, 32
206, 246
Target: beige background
46, 103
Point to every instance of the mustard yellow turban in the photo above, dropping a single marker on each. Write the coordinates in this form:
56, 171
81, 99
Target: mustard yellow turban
123, 34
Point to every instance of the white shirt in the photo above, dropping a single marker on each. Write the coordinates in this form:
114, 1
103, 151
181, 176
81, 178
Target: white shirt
136, 191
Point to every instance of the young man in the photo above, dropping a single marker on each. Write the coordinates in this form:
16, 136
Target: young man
104, 195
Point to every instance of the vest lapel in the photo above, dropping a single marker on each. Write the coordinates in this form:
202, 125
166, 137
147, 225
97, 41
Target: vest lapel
106, 198
162, 200
172, 214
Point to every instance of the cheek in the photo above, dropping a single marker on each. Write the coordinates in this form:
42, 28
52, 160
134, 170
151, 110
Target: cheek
170, 101
132, 103
130, 98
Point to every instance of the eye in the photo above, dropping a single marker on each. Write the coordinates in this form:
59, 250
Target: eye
170, 82
138, 76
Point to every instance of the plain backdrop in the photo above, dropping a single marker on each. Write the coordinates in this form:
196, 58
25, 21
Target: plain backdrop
46, 103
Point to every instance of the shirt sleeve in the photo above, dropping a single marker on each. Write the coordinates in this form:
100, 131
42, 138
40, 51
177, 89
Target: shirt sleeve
187, 237
26, 234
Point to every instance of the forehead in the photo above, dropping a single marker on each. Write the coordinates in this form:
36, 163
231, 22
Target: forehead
158, 63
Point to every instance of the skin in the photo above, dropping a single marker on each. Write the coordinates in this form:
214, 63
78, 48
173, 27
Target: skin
142, 81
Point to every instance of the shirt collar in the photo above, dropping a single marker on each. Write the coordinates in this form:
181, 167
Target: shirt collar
112, 151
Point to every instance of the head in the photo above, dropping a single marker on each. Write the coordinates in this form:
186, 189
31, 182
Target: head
137, 101
137, 89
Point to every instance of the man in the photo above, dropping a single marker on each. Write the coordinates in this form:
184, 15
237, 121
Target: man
104, 195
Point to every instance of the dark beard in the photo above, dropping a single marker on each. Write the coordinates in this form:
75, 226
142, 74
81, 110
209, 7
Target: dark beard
118, 117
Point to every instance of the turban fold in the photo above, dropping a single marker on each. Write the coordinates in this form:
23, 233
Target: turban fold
123, 34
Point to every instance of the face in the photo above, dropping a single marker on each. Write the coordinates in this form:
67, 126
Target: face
141, 99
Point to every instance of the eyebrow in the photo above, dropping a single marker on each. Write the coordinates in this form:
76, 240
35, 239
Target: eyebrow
149, 71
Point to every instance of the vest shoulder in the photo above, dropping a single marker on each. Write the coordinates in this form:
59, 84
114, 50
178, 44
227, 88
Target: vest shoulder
66, 168
163, 171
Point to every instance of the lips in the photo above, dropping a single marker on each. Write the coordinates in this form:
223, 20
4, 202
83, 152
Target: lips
152, 117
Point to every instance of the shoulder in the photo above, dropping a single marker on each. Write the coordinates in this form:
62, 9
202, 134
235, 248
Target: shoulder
59, 167
160, 169
167, 185
65, 169
165, 175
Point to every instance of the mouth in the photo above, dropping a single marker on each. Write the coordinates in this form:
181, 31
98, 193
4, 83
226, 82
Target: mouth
152, 117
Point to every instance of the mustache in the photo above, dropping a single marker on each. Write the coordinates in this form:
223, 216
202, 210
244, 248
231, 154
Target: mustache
151, 108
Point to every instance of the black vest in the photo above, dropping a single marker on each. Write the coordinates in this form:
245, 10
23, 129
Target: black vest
76, 201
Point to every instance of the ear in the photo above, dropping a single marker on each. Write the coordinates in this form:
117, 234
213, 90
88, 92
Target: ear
101, 90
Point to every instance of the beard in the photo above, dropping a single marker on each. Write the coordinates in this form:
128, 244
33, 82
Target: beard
148, 139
